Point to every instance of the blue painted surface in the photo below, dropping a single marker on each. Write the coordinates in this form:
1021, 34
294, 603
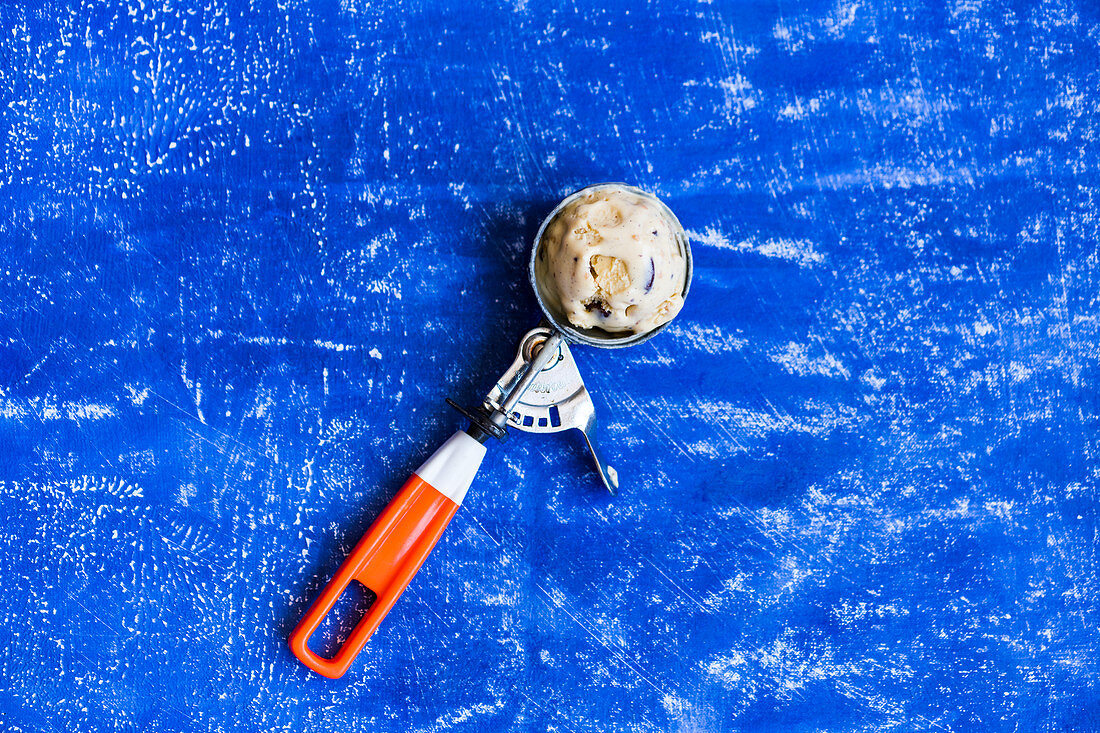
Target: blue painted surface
248, 248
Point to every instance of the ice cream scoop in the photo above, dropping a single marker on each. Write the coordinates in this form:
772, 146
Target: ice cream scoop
541, 392
610, 264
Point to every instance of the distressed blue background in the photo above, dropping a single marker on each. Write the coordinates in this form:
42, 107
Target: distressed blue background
249, 247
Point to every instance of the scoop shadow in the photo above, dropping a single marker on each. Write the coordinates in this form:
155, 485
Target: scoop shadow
511, 309
505, 243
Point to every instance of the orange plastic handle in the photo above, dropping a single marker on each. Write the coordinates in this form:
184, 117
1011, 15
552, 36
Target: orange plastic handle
385, 560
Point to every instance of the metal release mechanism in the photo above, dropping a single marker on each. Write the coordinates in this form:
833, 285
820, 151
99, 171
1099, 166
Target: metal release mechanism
542, 392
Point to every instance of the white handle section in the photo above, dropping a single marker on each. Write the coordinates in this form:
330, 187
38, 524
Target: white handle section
451, 469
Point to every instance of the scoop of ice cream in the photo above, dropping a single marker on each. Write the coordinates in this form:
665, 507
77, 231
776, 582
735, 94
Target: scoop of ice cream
612, 260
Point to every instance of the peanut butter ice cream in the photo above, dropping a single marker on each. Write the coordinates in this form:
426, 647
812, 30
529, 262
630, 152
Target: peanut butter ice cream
613, 260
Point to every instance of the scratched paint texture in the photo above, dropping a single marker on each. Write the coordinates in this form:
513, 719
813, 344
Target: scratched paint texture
249, 247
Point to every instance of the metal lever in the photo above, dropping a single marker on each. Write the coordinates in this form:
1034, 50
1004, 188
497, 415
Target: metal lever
543, 392
607, 472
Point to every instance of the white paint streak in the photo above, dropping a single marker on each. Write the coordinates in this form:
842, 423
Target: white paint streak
800, 251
